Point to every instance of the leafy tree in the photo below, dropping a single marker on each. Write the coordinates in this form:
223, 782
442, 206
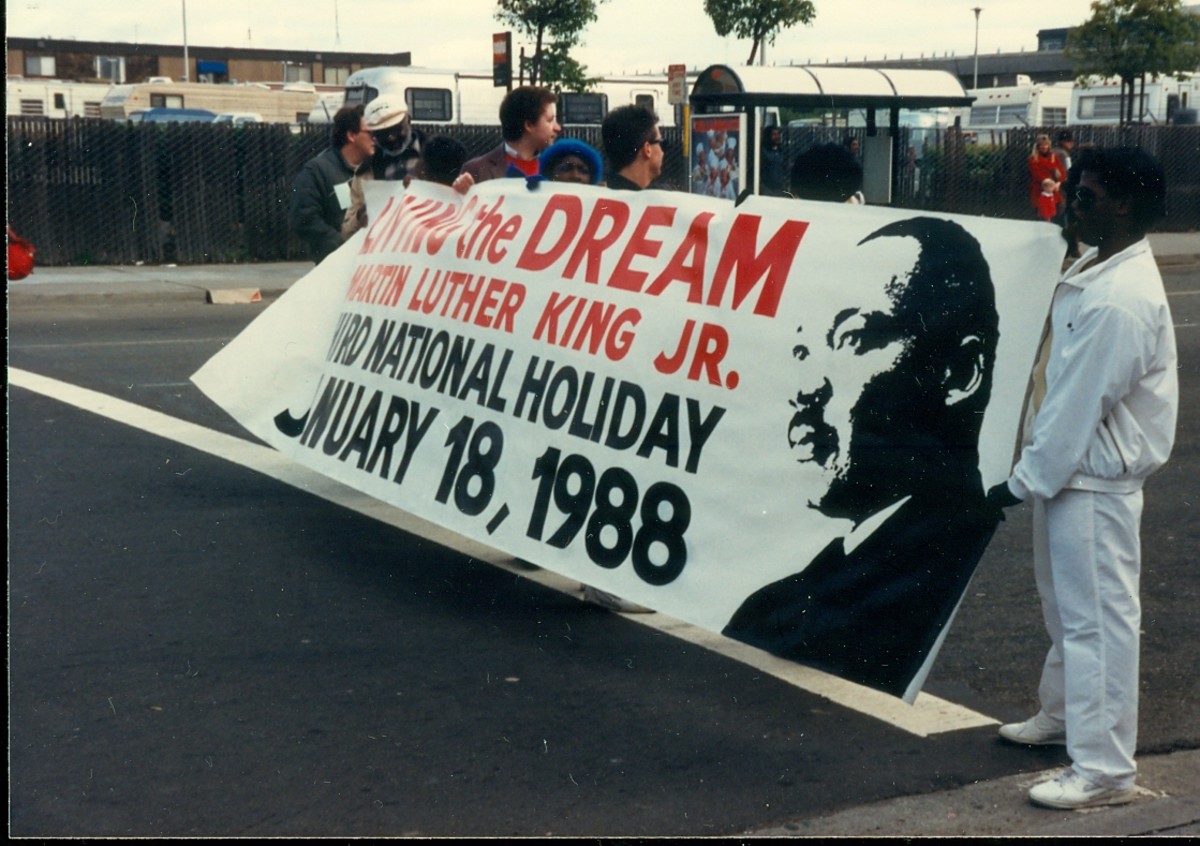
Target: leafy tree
1132, 38
554, 26
758, 20
560, 72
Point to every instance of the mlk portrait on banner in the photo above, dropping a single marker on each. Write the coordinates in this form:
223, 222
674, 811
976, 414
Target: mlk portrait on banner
891, 385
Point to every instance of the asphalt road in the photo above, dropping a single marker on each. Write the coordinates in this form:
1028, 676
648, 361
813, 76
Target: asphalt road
199, 649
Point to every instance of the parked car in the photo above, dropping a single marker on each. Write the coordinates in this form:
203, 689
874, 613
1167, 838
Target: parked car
173, 116
238, 118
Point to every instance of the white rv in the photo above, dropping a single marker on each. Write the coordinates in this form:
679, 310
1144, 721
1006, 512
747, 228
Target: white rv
470, 98
1155, 101
54, 98
1017, 106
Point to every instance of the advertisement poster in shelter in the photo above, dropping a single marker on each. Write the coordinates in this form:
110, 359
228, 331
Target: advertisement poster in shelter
718, 155
774, 421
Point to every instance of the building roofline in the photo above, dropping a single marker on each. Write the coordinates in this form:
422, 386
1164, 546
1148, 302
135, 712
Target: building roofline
200, 51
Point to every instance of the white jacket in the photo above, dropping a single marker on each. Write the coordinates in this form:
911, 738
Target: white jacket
1112, 390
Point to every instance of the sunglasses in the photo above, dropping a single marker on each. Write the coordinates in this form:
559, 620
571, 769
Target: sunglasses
658, 140
1085, 198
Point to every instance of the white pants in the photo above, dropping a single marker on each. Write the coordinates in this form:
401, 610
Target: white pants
1087, 561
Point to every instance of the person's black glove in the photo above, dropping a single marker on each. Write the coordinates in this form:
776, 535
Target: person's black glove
1000, 497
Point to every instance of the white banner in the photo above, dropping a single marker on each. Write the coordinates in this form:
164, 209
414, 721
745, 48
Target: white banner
775, 420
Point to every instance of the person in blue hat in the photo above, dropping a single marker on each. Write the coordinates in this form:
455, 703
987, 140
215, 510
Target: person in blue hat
569, 160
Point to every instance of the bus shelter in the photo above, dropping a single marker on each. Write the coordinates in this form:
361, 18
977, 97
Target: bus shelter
728, 108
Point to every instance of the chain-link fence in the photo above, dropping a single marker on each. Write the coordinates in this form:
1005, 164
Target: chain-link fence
99, 192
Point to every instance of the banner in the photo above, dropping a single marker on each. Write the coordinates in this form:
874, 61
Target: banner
775, 420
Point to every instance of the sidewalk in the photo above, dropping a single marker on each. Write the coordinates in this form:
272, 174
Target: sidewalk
234, 283
1168, 804
217, 283
1169, 785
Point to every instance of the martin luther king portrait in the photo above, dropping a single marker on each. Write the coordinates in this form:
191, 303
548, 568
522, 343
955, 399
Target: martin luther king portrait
891, 387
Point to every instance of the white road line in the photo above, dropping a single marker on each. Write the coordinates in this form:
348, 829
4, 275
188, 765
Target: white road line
929, 715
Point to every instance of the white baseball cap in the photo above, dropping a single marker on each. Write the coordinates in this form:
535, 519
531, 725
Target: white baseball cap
381, 114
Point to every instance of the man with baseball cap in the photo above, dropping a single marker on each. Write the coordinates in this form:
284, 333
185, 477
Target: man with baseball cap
397, 155
397, 144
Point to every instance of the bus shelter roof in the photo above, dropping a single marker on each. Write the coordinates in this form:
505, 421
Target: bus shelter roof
803, 86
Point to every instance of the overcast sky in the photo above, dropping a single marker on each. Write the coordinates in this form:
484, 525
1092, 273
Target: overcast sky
630, 35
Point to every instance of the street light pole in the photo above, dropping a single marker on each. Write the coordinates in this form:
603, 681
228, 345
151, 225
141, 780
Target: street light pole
185, 50
975, 82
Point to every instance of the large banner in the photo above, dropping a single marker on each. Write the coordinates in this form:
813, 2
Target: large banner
775, 420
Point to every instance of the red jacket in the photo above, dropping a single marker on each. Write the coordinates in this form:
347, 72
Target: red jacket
1047, 205
1044, 167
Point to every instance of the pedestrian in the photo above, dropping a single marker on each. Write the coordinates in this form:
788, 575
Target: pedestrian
442, 158
633, 144
1048, 200
321, 192
1064, 143
398, 144
829, 173
529, 124
568, 160
1042, 164
1068, 189
1103, 423
771, 158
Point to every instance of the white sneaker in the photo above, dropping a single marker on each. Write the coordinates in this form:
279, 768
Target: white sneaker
612, 602
1038, 730
1070, 791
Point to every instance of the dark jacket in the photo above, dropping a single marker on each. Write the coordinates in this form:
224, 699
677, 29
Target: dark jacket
491, 165
385, 165
619, 183
315, 213
872, 616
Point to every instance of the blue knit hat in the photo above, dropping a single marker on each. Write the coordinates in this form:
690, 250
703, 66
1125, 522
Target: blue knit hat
570, 147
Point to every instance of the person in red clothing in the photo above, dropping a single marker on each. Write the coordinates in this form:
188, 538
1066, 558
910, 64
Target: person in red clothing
1048, 200
1043, 165
529, 124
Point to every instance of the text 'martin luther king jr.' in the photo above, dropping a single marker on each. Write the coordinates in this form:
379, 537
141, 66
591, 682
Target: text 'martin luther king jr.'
893, 380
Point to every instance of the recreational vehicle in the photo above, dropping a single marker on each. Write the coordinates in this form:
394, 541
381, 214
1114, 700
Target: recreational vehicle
54, 98
1018, 106
470, 97
1155, 100
289, 103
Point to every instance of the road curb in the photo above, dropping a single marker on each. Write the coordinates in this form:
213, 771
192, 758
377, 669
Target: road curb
1181, 260
229, 296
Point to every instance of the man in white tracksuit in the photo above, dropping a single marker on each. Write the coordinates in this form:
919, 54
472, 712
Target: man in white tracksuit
1106, 422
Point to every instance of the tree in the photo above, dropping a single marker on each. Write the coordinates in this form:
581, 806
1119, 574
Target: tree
560, 72
758, 20
1132, 38
554, 26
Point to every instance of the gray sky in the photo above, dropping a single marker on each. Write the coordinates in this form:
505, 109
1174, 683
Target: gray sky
630, 35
